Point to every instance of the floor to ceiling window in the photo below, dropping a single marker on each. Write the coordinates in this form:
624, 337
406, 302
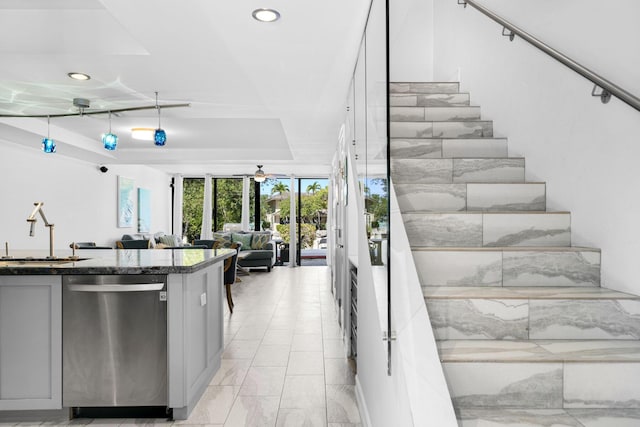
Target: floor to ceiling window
312, 208
226, 204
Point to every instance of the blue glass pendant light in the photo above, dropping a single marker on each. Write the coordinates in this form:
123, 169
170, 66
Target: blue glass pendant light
159, 136
110, 140
48, 144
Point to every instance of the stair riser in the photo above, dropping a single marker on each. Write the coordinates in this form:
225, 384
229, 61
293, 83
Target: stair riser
471, 197
464, 129
419, 87
584, 319
524, 319
543, 385
429, 100
443, 171
434, 114
488, 229
448, 148
517, 268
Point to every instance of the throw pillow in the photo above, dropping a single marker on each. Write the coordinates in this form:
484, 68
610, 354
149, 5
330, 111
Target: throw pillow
172, 240
244, 238
167, 240
222, 236
260, 239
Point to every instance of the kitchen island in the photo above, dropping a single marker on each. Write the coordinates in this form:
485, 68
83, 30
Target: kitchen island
179, 349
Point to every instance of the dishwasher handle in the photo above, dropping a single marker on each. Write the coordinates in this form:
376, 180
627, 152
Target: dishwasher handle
137, 287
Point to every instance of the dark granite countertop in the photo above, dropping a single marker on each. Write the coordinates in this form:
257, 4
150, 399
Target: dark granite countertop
115, 261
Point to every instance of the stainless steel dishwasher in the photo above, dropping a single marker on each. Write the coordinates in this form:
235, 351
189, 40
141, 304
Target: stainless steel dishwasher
114, 340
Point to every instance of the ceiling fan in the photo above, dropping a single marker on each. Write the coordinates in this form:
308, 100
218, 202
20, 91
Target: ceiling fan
260, 176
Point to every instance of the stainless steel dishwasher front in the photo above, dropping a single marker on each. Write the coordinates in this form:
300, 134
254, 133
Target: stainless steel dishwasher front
114, 340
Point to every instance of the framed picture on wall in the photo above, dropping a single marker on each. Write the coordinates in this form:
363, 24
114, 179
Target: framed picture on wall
126, 202
144, 210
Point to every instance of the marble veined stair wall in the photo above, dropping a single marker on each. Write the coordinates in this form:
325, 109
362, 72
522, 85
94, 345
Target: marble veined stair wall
526, 334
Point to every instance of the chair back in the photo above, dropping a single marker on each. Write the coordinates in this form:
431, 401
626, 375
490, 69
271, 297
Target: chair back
230, 264
133, 244
206, 243
187, 247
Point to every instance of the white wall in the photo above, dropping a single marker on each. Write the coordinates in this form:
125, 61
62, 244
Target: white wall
586, 151
79, 199
411, 40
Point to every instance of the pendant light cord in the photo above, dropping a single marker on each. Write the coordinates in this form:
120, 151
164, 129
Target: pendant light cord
48, 126
158, 108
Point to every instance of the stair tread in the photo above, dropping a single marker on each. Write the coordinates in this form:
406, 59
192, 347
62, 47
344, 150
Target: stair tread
488, 213
549, 417
460, 107
539, 351
524, 292
473, 183
430, 93
439, 121
448, 138
507, 248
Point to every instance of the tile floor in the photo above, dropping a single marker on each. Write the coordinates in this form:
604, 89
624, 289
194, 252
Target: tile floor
284, 364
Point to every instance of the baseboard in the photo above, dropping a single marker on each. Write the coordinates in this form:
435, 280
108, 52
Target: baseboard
362, 405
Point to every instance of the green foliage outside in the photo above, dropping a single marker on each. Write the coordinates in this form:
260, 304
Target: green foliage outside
229, 204
279, 187
308, 232
314, 208
229, 207
193, 196
377, 204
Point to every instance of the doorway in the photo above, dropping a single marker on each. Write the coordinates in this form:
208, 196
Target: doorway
311, 212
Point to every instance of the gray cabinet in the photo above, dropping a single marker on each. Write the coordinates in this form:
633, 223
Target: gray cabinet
30, 342
195, 335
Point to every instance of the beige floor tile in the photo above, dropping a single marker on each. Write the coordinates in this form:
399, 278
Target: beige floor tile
272, 355
305, 363
277, 337
312, 417
341, 404
241, 349
263, 381
214, 406
307, 342
231, 372
253, 411
334, 348
303, 391
251, 332
338, 371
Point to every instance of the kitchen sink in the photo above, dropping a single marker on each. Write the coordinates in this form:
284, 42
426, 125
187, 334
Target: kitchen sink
36, 262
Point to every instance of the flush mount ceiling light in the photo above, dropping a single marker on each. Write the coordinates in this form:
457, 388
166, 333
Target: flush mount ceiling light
143, 134
48, 144
110, 140
79, 76
259, 176
266, 15
160, 136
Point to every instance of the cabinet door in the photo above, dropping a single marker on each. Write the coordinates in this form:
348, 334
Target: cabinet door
30, 342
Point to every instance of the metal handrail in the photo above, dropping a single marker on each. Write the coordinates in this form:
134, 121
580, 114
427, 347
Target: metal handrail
608, 88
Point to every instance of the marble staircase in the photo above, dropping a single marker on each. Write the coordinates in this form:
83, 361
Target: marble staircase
527, 335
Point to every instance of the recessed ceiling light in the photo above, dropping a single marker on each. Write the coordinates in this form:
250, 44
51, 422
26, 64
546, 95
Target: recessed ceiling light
79, 76
266, 15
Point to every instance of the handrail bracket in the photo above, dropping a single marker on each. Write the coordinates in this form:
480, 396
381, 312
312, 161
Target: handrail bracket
508, 33
606, 88
605, 95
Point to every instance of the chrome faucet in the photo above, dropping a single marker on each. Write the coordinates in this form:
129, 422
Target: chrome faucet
32, 219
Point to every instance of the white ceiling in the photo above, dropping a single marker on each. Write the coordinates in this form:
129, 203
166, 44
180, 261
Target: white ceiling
268, 93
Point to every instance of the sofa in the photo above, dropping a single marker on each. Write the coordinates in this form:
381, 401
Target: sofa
257, 250
157, 240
